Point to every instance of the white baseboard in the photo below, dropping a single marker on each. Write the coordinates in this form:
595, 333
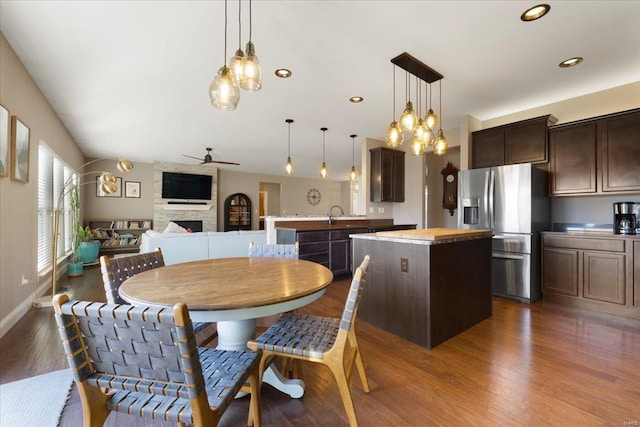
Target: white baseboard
16, 314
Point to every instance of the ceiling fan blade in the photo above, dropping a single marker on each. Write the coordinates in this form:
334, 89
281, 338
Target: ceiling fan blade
191, 157
225, 163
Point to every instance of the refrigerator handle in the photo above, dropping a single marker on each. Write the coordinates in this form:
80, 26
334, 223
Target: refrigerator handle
489, 197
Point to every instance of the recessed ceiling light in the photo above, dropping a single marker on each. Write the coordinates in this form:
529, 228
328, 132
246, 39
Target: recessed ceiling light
356, 99
535, 12
570, 62
283, 73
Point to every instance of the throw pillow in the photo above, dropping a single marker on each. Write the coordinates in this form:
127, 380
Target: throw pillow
174, 228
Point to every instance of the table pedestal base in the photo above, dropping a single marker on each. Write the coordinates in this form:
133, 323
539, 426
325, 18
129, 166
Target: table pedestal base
234, 334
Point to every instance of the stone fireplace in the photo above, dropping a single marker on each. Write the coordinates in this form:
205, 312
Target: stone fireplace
202, 212
194, 226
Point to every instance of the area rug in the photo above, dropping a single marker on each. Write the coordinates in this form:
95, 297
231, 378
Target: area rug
36, 401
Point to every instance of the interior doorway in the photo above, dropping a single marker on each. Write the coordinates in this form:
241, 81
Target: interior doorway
269, 196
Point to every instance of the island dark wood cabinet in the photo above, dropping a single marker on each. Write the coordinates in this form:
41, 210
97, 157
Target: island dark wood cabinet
387, 175
596, 156
331, 248
591, 271
520, 142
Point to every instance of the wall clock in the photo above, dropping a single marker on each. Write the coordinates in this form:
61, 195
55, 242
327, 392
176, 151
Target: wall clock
314, 196
450, 188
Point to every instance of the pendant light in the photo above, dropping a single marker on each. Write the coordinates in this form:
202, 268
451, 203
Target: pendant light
289, 166
394, 136
237, 61
431, 119
441, 144
252, 77
323, 170
354, 173
408, 119
223, 90
417, 142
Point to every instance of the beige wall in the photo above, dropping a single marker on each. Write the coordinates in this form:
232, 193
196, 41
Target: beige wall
18, 201
293, 193
121, 207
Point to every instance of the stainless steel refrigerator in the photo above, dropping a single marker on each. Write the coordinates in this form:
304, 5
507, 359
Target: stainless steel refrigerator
512, 201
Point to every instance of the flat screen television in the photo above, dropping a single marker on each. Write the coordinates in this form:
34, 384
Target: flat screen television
186, 186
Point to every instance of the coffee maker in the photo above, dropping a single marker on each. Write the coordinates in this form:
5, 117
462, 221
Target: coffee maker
624, 218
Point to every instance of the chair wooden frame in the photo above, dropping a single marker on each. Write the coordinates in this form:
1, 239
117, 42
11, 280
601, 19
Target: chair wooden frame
335, 344
116, 270
144, 361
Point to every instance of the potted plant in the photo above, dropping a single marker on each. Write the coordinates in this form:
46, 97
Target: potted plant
84, 248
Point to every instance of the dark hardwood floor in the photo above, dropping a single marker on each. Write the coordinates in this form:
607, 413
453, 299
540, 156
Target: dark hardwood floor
539, 364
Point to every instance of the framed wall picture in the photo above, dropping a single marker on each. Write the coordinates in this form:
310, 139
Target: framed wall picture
19, 150
5, 136
117, 193
132, 189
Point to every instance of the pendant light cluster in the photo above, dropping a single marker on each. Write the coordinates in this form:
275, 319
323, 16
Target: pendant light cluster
421, 129
324, 171
244, 71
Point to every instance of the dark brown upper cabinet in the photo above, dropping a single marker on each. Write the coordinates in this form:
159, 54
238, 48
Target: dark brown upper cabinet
596, 156
387, 175
620, 152
520, 142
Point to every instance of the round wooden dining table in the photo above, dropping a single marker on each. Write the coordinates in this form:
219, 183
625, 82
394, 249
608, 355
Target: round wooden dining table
233, 292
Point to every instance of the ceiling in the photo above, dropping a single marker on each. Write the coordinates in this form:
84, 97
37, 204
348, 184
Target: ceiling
130, 79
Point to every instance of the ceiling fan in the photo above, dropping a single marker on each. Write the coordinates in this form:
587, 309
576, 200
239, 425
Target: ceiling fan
209, 159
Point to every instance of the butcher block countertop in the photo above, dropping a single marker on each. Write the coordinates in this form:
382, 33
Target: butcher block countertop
427, 235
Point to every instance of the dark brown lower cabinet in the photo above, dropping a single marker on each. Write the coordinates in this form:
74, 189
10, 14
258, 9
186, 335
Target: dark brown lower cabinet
329, 248
594, 272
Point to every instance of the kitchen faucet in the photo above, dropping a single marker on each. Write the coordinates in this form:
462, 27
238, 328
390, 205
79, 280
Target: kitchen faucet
331, 210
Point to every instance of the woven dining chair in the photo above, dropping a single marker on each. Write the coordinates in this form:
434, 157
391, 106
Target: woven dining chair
277, 250
116, 270
325, 340
274, 250
144, 361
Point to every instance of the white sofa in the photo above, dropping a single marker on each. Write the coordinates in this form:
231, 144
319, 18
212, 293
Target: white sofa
183, 247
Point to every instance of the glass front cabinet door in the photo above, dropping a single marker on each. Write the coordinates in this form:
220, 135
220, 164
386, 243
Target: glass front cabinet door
237, 212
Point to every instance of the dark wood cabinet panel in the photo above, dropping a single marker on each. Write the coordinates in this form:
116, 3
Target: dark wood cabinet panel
526, 142
596, 272
519, 142
560, 272
572, 163
620, 152
387, 175
487, 148
603, 275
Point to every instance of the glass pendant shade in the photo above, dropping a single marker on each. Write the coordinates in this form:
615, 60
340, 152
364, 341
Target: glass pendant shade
236, 64
354, 173
441, 144
224, 91
431, 119
409, 119
421, 129
289, 167
252, 72
323, 170
417, 146
394, 136
428, 138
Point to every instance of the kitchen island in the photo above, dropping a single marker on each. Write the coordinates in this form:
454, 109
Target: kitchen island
426, 285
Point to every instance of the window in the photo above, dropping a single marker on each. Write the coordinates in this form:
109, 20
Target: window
52, 175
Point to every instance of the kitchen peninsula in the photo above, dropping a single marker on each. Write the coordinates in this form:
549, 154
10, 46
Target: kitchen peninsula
426, 285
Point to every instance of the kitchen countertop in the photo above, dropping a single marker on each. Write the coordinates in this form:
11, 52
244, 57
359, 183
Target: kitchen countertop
593, 233
426, 236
